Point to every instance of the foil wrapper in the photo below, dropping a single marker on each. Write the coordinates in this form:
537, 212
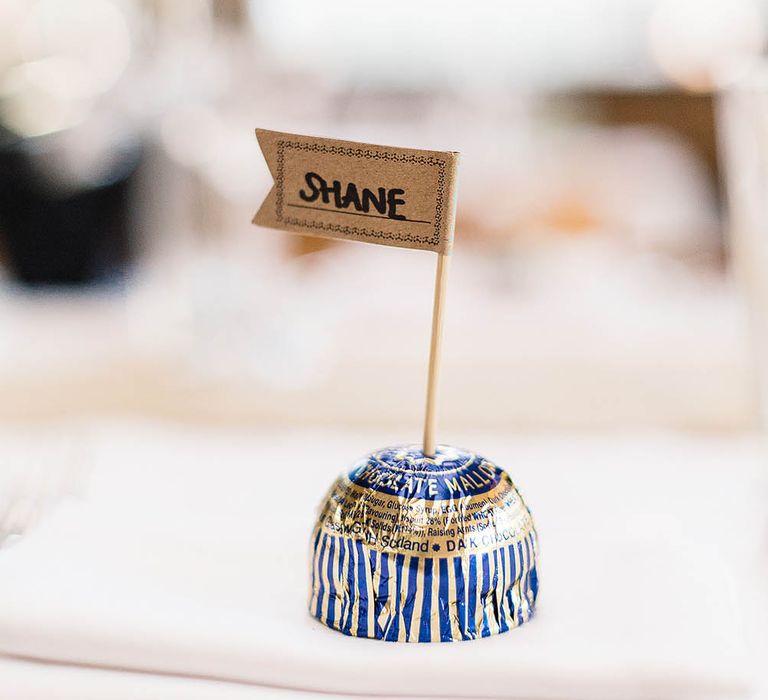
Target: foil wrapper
409, 548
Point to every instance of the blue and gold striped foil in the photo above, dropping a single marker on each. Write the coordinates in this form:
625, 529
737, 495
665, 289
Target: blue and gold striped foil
415, 549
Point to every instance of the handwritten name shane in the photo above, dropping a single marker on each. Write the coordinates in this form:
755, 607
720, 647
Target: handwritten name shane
402, 197
384, 201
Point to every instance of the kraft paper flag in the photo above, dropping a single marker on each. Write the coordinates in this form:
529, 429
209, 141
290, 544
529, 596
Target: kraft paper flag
401, 197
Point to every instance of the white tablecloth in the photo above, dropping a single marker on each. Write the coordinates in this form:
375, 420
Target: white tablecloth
186, 555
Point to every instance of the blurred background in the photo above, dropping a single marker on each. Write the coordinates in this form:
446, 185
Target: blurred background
611, 261
593, 283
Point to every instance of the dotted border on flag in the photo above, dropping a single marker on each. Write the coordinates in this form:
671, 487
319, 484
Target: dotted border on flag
361, 153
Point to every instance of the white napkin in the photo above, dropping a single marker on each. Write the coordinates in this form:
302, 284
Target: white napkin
33, 680
188, 556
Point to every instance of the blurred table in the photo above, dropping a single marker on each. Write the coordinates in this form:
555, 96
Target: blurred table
326, 347
182, 556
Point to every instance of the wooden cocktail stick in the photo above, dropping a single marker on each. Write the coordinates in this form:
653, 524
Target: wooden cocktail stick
430, 418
